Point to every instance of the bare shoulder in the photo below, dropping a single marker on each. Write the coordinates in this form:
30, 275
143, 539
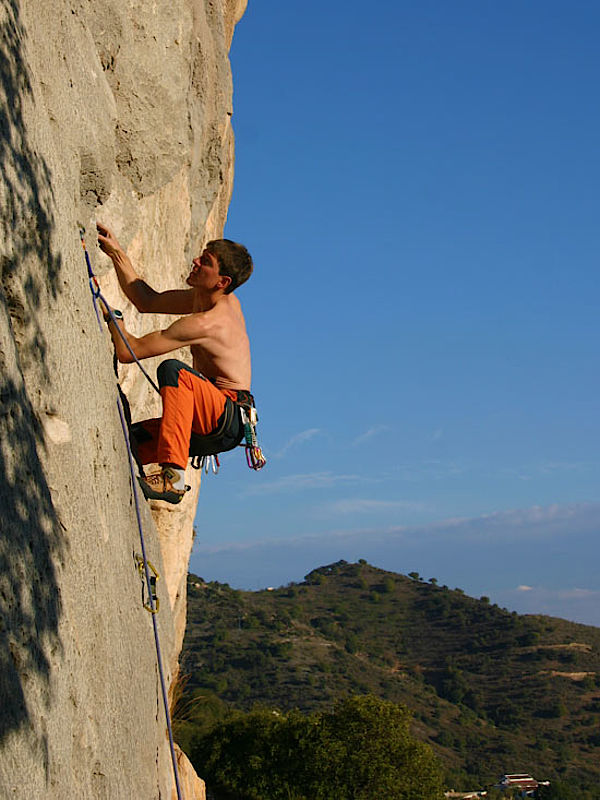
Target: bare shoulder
235, 309
228, 311
225, 322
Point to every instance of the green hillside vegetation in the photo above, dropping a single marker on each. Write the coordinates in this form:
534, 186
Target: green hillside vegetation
490, 691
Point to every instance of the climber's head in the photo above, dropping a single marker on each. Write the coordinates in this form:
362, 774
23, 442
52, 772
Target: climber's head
234, 261
223, 266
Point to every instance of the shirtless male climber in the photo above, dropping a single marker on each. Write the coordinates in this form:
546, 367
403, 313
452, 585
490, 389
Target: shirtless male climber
200, 406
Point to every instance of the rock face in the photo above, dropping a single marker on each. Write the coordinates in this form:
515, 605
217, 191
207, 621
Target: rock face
117, 110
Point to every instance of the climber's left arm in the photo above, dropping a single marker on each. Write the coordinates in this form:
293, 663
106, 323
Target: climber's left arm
187, 331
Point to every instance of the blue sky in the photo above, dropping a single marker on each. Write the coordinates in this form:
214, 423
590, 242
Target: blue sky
418, 186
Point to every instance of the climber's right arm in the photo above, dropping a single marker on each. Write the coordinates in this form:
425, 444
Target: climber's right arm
146, 299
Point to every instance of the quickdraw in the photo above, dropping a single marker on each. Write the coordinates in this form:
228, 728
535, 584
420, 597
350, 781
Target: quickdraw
152, 605
254, 454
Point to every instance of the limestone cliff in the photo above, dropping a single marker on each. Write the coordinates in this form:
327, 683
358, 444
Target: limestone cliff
116, 110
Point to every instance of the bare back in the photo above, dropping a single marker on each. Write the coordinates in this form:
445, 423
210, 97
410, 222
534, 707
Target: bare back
224, 353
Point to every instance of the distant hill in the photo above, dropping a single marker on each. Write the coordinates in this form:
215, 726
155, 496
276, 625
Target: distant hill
491, 691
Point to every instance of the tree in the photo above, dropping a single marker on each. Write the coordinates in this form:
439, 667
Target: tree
558, 790
247, 756
359, 750
366, 751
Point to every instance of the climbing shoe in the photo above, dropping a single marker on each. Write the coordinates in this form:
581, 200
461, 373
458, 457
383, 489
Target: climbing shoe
161, 486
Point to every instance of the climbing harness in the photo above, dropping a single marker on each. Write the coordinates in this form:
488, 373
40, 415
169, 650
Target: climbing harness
226, 436
144, 566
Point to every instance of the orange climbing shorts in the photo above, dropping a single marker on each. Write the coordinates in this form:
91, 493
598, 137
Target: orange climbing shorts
195, 412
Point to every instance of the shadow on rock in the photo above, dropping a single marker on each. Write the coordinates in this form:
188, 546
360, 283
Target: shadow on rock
31, 538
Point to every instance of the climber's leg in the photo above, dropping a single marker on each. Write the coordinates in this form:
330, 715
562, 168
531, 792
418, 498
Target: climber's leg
190, 403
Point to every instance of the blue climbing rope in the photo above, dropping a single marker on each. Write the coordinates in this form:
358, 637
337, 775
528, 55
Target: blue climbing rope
151, 602
152, 606
97, 295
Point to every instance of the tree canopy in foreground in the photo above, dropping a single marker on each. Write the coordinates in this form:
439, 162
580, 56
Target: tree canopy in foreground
360, 749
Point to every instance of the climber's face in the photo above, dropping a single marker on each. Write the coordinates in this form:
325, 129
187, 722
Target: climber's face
205, 271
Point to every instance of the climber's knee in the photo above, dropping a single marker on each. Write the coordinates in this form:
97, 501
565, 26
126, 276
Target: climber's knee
168, 372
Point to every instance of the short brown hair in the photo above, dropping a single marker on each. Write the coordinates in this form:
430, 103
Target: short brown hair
234, 261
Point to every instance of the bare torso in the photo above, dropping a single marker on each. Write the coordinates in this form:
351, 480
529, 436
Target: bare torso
224, 353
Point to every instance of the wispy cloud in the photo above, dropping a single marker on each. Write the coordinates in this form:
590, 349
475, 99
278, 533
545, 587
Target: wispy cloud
572, 593
528, 472
575, 603
531, 522
522, 524
301, 482
576, 593
364, 506
564, 466
370, 434
298, 438
429, 469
